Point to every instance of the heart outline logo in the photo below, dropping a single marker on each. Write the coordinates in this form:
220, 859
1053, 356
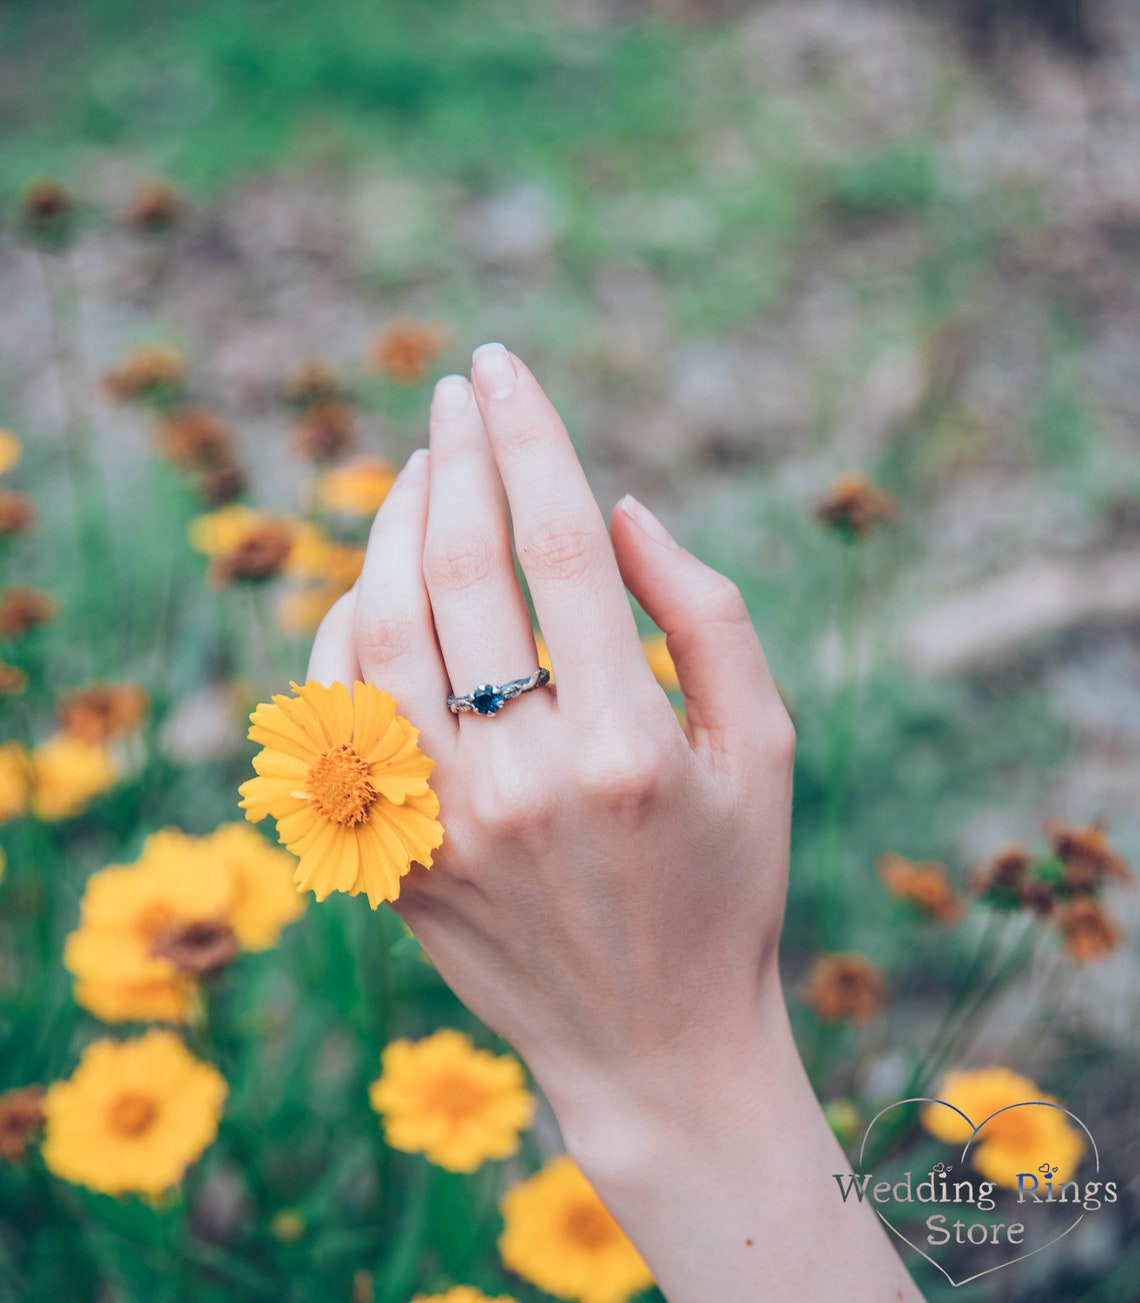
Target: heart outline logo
1032, 1103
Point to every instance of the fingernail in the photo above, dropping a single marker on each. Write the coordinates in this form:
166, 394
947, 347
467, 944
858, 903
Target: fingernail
493, 370
646, 521
451, 396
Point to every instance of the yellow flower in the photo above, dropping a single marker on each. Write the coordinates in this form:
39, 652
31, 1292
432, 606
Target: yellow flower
1017, 1140
67, 775
125, 911
262, 899
357, 489
462, 1294
457, 1105
243, 543
15, 781
342, 775
559, 1236
660, 662
11, 449
300, 612
133, 1115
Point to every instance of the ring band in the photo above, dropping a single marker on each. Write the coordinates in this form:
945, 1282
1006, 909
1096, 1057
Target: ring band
487, 699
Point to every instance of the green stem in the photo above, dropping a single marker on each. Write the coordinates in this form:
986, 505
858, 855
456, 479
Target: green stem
92, 517
840, 748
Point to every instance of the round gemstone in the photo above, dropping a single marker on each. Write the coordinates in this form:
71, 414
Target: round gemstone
486, 701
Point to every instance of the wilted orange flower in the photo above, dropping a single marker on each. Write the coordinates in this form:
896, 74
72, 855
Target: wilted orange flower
12, 679
407, 348
133, 1116
154, 207
925, 885
457, 1105
152, 372
21, 1117
325, 431
1017, 1139
854, 506
342, 775
1010, 880
1089, 930
104, 711
48, 212
313, 382
1089, 860
222, 484
67, 775
23, 608
11, 449
17, 514
558, 1235
845, 988
357, 489
195, 439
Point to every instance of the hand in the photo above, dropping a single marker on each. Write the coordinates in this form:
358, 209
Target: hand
610, 889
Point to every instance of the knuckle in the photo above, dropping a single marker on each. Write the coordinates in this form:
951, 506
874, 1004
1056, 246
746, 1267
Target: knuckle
380, 639
453, 563
780, 739
723, 603
507, 809
622, 775
560, 551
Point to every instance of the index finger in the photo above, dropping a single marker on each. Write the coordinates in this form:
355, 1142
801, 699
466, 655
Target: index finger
560, 537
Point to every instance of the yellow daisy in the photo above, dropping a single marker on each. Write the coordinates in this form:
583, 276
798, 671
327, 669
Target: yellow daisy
559, 1236
1016, 1140
457, 1105
67, 775
357, 489
342, 775
11, 450
462, 1294
133, 1115
15, 781
660, 662
262, 899
125, 911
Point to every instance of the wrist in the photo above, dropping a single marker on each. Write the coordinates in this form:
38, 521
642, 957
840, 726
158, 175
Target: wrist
694, 1095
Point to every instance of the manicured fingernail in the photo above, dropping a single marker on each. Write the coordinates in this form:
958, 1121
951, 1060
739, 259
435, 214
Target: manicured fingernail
451, 396
646, 521
494, 371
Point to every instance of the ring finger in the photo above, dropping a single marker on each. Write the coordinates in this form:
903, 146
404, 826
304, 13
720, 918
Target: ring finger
481, 618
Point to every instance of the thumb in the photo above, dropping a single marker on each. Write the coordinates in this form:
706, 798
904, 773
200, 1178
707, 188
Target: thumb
731, 702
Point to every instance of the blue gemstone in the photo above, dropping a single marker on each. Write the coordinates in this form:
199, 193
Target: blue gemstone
486, 703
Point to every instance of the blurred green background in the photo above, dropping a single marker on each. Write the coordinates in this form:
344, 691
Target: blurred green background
746, 247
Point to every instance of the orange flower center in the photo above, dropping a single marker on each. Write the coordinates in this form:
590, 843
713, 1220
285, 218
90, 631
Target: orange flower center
589, 1225
340, 787
131, 1114
454, 1094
